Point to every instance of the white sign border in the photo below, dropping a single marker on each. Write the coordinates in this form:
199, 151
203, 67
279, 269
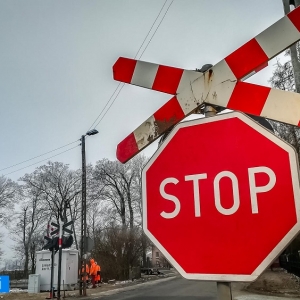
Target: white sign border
295, 182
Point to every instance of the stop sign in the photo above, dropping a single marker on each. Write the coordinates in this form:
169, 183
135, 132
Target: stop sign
221, 198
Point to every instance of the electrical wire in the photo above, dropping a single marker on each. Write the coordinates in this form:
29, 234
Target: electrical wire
110, 105
150, 29
157, 28
116, 96
20, 163
107, 103
42, 160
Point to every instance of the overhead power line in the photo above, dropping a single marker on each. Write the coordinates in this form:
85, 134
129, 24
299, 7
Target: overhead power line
156, 29
108, 104
150, 30
105, 106
115, 94
42, 160
20, 163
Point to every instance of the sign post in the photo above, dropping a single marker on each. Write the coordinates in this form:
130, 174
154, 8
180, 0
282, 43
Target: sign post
61, 227
215, 209
223, 288
51, 246
50, 241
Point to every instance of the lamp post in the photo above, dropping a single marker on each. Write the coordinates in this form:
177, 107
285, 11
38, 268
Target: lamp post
82, 287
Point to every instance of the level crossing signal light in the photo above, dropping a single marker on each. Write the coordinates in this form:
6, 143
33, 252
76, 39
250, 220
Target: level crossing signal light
67, 242
53, 243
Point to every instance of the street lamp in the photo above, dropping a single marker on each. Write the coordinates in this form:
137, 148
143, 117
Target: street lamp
82, 288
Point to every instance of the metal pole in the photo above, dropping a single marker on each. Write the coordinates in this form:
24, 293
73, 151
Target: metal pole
73, 228
209, 111
52, 274
294, 52
286, 6
224, 288
82, 289
61, 223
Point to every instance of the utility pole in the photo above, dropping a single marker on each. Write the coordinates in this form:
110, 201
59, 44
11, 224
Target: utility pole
83, 220
295, 54
82, 285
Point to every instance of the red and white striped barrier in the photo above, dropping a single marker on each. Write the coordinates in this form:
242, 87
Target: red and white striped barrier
221, 85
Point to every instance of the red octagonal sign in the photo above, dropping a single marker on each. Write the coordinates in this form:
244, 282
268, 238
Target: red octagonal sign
221, 198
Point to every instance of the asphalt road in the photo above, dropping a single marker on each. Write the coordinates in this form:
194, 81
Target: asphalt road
175, 288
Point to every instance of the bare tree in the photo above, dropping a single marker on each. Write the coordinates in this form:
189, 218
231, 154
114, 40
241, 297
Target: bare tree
30, 222
121, 186
138, 163
294, 50
8, 197
8, 191
51, 190
121, 190
96, 208
37, 243
58, 187
1, 241
109, 175
112, 251
283, 76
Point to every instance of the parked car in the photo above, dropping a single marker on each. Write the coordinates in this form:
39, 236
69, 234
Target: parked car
150, 271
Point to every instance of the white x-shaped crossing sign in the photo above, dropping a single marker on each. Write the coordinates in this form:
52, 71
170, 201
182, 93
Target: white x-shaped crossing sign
221, 85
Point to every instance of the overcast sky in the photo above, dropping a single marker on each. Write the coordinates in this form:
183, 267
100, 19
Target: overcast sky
56, 63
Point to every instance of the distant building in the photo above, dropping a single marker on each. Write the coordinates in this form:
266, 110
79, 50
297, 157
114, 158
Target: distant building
158, 260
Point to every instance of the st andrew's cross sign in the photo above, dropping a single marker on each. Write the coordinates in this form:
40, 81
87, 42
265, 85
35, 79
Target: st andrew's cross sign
222, 85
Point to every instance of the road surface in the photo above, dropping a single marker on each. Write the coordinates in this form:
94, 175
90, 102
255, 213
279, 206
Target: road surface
175, 288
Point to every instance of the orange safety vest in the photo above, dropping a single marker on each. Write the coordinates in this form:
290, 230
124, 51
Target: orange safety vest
93, 270
81, 272
98, 275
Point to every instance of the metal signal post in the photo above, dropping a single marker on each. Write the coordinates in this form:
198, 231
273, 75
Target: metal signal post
83, 220
59, 257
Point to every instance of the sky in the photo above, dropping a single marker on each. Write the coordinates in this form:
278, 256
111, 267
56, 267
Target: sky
56, 61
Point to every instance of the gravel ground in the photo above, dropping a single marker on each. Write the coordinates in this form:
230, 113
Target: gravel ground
277, 282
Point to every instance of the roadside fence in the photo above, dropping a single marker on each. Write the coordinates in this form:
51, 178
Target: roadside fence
15, 274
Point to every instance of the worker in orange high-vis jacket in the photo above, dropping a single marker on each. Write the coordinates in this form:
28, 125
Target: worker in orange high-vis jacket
81, 272
93, 273
98, 278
